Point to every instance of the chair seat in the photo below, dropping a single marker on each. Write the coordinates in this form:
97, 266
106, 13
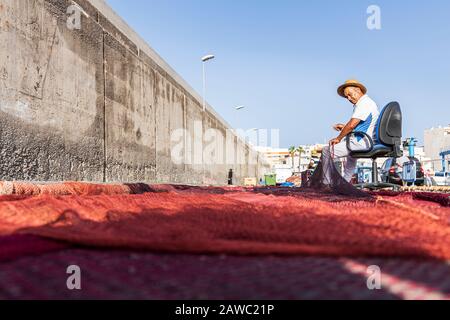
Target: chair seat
378, 150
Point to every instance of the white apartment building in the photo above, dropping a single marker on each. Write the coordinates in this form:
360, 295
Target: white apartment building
436, 141
281, 159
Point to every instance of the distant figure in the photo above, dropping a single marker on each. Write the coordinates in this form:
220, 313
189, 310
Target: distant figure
428, 180
230, 177
364, 119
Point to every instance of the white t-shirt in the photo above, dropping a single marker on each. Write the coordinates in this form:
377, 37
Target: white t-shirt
367, 111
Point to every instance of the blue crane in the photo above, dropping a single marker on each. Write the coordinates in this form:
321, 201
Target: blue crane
411, 144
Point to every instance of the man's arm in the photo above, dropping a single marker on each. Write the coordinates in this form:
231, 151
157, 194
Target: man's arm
338, 127
349, 128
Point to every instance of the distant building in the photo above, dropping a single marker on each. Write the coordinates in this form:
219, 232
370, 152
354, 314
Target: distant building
436, 140
282, 162
274, 156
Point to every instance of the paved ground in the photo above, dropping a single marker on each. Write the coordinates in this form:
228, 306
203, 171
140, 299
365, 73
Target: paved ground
125, 275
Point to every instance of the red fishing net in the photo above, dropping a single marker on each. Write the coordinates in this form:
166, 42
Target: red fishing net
124, 274
17, 246
326, 178
67, 188
328, 216
237, 220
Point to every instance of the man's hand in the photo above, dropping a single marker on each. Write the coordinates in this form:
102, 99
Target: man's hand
335, 142
339, 127
348, 128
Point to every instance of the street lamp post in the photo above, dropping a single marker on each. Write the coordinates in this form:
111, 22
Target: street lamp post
238, 109
204, 60
255, 131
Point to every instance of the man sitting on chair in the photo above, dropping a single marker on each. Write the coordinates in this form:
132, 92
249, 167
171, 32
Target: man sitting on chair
364, 119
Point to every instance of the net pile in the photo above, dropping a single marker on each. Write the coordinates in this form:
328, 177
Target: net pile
328, 216
117, 274
443, 189
327, 178
71, 188
222, 220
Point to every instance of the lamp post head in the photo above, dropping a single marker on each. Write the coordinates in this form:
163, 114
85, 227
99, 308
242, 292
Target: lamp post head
208, 57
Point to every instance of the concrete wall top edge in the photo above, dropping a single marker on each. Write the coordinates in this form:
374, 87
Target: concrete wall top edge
123, 27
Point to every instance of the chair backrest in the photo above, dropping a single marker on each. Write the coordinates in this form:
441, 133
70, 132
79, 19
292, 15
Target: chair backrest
389, 126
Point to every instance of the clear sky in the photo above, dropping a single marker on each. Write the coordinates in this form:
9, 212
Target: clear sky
283, 59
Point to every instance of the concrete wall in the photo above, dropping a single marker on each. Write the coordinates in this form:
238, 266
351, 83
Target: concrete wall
97, 103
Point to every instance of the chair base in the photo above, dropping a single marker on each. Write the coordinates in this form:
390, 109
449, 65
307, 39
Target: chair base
378, 185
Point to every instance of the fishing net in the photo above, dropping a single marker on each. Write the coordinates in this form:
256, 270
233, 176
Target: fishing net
17, 246
125, 275
327, 178
72, 188
325, 181
328, 216
243, 222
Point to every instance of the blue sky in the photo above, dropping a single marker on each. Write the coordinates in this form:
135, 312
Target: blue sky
284, 59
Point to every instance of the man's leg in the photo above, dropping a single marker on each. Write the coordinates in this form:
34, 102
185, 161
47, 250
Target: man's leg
340, 151
326, 158
349, 169
350, 163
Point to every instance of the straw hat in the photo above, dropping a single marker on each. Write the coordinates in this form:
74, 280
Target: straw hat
351, 83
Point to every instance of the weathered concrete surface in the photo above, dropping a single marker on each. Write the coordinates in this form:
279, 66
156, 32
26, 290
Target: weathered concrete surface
51, 97
98, 104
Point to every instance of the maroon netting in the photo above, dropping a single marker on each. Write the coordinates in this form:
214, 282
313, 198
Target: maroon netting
228, 220
17, 246
328, 216
326, 178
